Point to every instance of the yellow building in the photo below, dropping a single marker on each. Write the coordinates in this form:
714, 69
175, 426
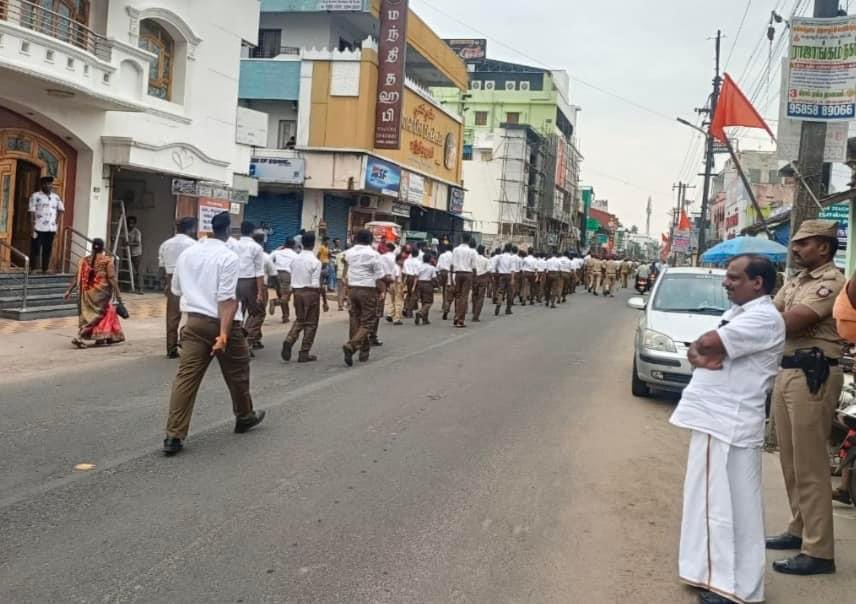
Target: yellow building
321, 129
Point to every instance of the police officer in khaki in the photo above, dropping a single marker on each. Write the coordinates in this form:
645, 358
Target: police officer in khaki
805, 397
596, 267
610, 268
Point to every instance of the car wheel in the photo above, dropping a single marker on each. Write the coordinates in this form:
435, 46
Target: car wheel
637, 386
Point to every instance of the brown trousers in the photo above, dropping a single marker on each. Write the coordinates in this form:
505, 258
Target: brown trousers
284, 293
554, 286
173, 317
463, 285
446, 293
381, 294
254, 311
566, 285
362, 312
503, 291
530, 286
411, 295
307, 309
803, 424
425, 291
197, 339
480, 285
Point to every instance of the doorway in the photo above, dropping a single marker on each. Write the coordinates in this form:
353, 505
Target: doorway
26, 183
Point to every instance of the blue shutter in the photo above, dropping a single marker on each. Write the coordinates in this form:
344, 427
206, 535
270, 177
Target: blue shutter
279, 211
336, 211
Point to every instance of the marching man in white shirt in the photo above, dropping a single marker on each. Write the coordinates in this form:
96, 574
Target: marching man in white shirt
306, 284
46, 209
365, 269
206, 280
480, 285
168, 255
723, 549
444, 272
251, 282
282, 259
463, 267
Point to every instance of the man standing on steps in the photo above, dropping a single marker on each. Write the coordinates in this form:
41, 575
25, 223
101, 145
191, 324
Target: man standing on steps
306, 285
724, 407
282, 261
206, 280
805, 397
46, 209
503, 290
365, 270
168, 254
463, 268
480, 284
251, 282
444, 272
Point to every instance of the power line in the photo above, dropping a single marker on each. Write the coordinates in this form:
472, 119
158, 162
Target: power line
737, 37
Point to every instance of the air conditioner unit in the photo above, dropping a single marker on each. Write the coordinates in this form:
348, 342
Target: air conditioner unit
490, 85
476, 85
511, 85
524, 85
368, 203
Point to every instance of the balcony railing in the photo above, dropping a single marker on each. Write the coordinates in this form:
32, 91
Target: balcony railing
270, 53
34, 17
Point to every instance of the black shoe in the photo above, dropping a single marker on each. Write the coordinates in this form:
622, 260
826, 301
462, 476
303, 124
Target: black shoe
841, 497
508, 311
708, 597
496, 313
349, 356
426, 322
173, 354
244, 424
446, 316
305, 357
389, 319
375, 342
398, 323
523, 304
364, 357
258, 345
784, 541
418, 319
476, 320
553, 306
595, 293
171, 446
286, 350
803, 564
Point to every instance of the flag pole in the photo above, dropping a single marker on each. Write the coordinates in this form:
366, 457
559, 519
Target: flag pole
748, 186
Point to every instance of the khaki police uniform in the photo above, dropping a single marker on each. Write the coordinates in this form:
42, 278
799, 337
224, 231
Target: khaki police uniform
804, 420
611, 270
626, 267
596, 269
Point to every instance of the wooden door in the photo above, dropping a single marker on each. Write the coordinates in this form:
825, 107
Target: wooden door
7, 207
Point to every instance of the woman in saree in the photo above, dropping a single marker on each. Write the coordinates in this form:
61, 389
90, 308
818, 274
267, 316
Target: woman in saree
97, 285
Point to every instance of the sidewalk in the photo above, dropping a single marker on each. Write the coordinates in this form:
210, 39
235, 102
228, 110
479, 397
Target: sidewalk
31, 348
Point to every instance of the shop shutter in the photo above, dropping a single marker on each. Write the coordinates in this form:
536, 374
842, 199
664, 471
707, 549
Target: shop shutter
336, 211
280, 212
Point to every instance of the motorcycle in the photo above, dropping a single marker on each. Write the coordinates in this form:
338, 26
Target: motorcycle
643, 284
847, 454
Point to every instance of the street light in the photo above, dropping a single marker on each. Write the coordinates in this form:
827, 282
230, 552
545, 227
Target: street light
693, 126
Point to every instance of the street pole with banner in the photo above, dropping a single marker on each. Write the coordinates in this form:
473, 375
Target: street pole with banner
709, 159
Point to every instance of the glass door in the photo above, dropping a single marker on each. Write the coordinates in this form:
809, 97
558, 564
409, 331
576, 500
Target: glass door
7, 207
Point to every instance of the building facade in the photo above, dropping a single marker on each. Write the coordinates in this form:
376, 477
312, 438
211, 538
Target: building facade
315, 72
116, 99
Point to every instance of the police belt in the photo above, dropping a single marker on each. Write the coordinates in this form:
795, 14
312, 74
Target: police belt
794, 362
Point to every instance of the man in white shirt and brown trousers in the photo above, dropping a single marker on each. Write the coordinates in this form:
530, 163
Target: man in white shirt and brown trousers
444, 271
722, 547
365, 270
481, 283
206, 280
282, 259
464, 271
251, 282
306, 285
168, 254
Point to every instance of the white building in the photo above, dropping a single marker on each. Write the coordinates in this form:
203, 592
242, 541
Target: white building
115, 99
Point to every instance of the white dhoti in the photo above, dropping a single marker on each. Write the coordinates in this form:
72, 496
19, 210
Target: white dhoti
722, 534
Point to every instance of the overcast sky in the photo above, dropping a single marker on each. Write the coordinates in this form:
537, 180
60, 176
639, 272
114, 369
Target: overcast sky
655, 53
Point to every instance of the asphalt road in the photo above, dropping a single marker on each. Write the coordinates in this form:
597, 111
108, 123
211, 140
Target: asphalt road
502, 463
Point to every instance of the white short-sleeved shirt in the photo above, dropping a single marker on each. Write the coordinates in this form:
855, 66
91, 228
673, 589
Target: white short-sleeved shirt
483, 265
505, 263
411, 265
389, 264
270, 267
542, 265
530, 264
365, 266
427, 272
553, 265
47, 209
171, 249
283, 258
205, 275
306, 271
444, 261
464, 259
516, 263
252, 262
565, 264
730, 404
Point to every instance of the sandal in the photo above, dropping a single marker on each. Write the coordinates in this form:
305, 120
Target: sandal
78, 343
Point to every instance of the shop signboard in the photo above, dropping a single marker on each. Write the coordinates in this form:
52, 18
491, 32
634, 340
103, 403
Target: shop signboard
840, 212
681, 242
216, 190
471, 50
382, 178
208, 209
822, 72
413, 188
456, 200
392, 52
291, 171
313, 6
400, 209
251, 127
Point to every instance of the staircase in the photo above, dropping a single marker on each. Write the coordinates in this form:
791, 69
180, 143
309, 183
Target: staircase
44, 297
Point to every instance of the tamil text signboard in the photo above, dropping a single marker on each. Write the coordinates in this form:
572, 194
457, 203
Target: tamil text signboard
471, 50
822, 69
392, 51
840, 212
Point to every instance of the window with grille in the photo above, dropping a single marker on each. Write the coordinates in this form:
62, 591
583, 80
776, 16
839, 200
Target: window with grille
155, 39
512, 118
481, 118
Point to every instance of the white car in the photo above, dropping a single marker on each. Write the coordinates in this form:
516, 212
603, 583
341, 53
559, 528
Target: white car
684, 304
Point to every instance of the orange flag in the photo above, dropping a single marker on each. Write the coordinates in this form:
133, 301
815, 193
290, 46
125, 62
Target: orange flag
684, 222
734, 109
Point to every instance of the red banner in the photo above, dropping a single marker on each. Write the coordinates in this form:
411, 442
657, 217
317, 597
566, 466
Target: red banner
392, 54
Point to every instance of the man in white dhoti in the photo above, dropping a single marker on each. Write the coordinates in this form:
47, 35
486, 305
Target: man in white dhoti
722, 547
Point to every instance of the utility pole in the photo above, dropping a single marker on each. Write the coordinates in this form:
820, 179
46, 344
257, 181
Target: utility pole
648, 211
709, 157
812, 142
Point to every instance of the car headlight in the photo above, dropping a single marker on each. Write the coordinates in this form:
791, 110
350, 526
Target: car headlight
654, 340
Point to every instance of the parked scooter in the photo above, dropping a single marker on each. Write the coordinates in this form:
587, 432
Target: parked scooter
643, 284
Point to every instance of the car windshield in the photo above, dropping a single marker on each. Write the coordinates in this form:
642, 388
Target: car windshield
691, 293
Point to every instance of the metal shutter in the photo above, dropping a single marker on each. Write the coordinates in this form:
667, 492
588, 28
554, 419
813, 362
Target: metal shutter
279, 211
336, 211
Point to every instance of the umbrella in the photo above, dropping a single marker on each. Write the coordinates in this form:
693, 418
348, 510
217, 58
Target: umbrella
745, 245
